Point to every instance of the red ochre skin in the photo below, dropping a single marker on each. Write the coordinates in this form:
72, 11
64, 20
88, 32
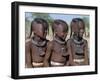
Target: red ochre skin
77, 44
57, 49
35, 47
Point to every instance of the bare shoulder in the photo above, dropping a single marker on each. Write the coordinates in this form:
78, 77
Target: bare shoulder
69, 41
50, 44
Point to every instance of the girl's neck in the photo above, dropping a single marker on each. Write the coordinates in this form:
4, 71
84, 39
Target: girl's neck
77, 38
38, 41
58, 38
37, 38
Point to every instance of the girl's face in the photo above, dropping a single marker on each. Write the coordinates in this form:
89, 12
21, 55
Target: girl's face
79, 29
81, 32
61, 31
40, 31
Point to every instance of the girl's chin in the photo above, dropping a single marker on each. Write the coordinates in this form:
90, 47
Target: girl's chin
43, 38
62, 39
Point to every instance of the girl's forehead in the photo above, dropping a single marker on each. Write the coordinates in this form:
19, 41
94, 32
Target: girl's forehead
78, 25
38, 26
61, 27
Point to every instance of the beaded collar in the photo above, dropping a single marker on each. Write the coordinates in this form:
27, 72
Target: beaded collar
59, 41
78, 42
40, 44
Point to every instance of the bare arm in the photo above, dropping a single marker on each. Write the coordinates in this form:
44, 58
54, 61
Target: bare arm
71, 53
71, 62
28, 55
86, 53
48, 54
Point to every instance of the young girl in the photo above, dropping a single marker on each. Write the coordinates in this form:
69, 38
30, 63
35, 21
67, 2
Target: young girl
36, 46
77, 44
57, 52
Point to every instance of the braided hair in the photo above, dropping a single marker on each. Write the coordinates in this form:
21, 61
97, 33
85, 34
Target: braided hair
58, 22
75, 25
39, 21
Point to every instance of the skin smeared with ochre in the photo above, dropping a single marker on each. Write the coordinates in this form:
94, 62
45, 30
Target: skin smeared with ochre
36, 47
